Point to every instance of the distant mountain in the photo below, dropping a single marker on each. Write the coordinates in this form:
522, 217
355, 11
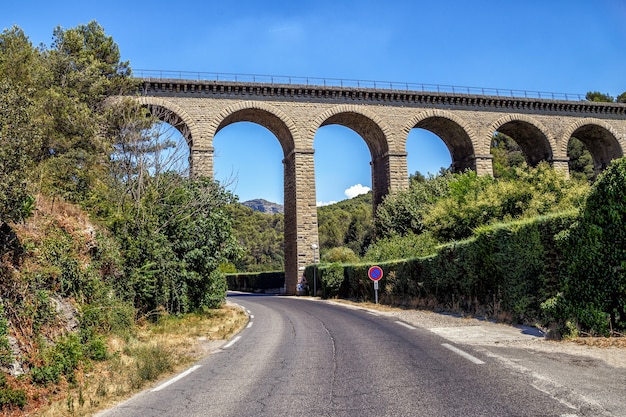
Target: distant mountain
264, 206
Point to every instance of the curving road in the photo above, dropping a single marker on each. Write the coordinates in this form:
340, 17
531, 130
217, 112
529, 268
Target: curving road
304, 358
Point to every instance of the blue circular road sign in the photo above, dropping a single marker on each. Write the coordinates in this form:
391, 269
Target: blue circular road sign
375, 273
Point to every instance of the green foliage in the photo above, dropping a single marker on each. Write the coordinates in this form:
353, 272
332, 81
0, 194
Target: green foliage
9, 396
331, 277
403, 212
452, 206
348, 223
507, 156
6, 355
621, 98
504, 271
60, 359
598, 97
79, 71
18, 138
340, 254
580, 162
261, 236
594, 289
175, 240
402, 247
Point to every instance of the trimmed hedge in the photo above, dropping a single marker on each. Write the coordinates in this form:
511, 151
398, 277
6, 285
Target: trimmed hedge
504, 270
256, 281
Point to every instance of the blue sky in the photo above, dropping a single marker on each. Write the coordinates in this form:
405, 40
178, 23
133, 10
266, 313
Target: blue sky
570, 46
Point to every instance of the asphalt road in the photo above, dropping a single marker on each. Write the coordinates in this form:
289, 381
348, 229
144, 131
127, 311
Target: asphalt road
304, 358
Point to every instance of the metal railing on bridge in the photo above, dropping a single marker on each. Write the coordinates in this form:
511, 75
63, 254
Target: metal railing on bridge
342, 82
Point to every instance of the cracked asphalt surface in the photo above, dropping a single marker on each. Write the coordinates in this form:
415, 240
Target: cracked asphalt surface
309, 358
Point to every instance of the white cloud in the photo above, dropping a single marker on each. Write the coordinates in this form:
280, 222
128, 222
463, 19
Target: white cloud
322, 203
355, 190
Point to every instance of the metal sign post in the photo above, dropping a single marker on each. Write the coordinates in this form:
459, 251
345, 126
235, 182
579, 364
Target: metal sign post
376, 291
375, 273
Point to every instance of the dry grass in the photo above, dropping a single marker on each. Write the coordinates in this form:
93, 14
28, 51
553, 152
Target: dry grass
602, 342
154, 352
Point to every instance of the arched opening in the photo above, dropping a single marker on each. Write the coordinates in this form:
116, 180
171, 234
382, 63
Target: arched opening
167, 142
517, 138
439, 141
247, 160
601, 144
580, 164
343, 172
342, 164
427, 154
373, 135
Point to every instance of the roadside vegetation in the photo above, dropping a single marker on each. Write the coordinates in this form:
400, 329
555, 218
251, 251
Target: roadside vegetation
109, 251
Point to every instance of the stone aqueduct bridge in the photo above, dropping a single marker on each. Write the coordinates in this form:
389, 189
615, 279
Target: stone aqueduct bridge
383, 118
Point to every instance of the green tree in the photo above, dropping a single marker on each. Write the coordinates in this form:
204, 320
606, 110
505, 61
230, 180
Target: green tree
621, 98
402, 247
340, 254
580, 161
16, 137
403, 212
82, 69
507, 156
348, 223
598, 97
20, 136
594, 290
473, 201
261, 236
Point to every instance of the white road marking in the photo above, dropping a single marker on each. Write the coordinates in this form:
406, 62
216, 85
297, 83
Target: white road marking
466, 355
408, 326
249, 325
373, 313
542, 383
176, 378
251, 316
232, 342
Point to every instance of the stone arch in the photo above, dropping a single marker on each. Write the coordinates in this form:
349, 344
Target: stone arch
459, 137
172, 114
376, 135
266, 115
600, 139
536, 142
368, 125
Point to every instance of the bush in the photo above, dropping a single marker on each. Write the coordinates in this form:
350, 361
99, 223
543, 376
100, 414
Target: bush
5, 347
594, 288
340, 254
9, 396
331, 278
505, 271
402, 247
61, 359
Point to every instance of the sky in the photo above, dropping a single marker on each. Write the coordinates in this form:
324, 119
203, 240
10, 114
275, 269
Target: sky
565, 46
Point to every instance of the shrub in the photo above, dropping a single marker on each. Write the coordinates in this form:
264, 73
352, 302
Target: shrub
505, 271
5, 347
402, 247
331, 278
61, 359
594, 288
340, 254
9, 396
